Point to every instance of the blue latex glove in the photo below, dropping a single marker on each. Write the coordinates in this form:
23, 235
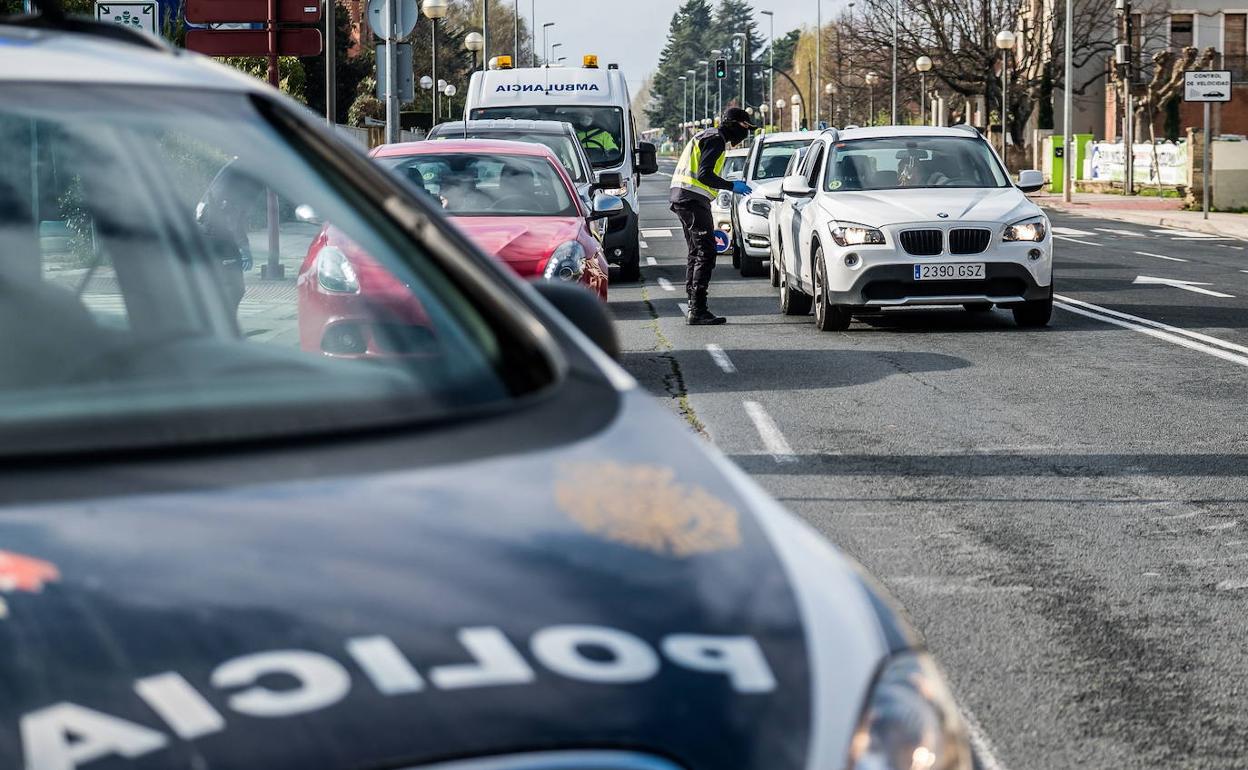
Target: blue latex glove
741, 188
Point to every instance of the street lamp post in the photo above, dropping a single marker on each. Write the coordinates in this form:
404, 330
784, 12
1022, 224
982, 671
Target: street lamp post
1068, 107
780, 105
1005, 41
771, 61
474, 42
745, 62
545, 29
763, 109
924, 65
684, 104
896, 15
553, 46
532, 32
706, 86
693, 100
515, 54
818, 55
485, 32
434, 10
449, 91
871, 78
830, 90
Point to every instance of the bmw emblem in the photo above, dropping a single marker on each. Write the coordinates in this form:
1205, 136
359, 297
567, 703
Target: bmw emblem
943, 215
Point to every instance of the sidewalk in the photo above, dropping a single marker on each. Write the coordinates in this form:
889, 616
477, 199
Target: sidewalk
1155, 212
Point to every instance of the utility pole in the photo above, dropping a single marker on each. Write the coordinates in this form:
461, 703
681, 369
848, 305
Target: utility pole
392, 71
1068, 108
533, 31
818, 68
771, 62
896, 14
485, 32
1125, 54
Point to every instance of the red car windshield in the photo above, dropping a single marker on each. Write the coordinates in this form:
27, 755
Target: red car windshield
471, 185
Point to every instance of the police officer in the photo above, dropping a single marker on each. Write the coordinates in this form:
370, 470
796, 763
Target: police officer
694, 186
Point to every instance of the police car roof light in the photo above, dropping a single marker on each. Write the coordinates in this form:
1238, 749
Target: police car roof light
51, 16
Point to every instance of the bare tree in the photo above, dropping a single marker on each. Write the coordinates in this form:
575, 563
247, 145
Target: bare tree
1165, 84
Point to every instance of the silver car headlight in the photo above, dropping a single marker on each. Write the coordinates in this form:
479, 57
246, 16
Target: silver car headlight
759, 208
335, 273
911, 721
567, 263
724, 199
1031, 230
853, 234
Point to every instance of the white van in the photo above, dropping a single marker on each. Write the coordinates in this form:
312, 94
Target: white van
597, 104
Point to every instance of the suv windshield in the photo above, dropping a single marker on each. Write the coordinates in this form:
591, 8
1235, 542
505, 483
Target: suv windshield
906, 162
176, 269
600, 129
560, 144
469, 185
774, 157
733, 166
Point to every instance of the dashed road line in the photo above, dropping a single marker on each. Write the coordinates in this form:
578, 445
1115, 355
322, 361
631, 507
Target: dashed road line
656, 233
982, 747
1123, 233
684, 308
1160, 256
776, 444
643, 244
1187, 234
1202, 343
1076, 240
1192, 286
665, 284
721, 358
652, 261
1059, 230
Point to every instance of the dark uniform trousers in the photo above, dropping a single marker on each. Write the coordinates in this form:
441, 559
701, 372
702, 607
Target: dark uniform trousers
699, 227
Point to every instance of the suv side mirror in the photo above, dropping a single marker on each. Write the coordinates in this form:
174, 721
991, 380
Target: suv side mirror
1030, 181
647, 158
609, 180
797, 187
606, 207
585, 311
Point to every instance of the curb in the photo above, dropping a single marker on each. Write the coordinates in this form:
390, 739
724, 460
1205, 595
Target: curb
1143, 218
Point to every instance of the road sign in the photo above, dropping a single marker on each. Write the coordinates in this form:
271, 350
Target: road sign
407, 11
141, 16
721, 241
253, 42
1206, 86
407, 80
252, 11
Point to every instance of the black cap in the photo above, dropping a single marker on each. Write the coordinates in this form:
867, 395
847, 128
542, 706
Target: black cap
737, 115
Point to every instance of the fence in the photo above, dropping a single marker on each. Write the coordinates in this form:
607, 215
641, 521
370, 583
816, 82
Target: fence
368, 138
1164, 163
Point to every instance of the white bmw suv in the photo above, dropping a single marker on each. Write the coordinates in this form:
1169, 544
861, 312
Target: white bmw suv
911, 215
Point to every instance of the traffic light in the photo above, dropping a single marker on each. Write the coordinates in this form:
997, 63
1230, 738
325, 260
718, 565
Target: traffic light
721, 68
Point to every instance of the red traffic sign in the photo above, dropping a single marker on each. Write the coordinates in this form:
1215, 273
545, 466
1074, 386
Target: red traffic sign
252, 11
253, 42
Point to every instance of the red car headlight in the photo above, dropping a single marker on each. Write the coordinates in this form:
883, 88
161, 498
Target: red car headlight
335, 273
567, 263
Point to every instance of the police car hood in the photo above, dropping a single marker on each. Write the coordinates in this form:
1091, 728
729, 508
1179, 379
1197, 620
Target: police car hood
631, 591
889, 207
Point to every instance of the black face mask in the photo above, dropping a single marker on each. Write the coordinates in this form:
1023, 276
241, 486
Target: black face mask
734, 133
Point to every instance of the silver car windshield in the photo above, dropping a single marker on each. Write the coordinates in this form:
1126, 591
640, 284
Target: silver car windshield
908, 162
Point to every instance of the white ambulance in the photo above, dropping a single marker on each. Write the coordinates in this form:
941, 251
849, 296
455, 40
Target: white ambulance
597, 104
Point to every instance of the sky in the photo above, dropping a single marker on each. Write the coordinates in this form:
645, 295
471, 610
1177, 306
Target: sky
635, 39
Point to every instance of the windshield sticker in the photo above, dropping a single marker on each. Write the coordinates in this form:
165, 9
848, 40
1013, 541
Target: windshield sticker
66, 735
25, 574
642, 506
835, 184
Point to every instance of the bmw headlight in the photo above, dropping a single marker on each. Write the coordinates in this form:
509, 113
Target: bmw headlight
335, 273
852, 234
758, 207
1031, 230
567, 263
911, 721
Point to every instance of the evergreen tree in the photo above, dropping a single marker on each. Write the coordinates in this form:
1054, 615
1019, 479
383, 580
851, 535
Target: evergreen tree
688, 40
732, 17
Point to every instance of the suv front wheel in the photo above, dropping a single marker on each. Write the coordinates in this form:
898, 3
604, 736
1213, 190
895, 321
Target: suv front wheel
1034, 314
828, 317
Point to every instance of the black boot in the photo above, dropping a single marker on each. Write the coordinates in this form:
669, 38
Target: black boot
700, 316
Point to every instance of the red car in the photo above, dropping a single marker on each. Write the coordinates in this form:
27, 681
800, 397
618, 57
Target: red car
514, 200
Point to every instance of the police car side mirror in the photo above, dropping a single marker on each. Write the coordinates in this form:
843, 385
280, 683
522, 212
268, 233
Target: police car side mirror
586, 312
1030, 181
609, 180
796, 187
606, 207
647, 158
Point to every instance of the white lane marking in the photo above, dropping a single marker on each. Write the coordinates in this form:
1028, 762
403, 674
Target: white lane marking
651, 261
1187, 234
656, 233
684, 308
1205, 338
660, 173
1145, 327
1202, 240
666, 285
1232, 585
1192, 286
1160, 256
643, 244
979, 742
1076, 240
775, 442
721, 358
1069, 231
1124, 233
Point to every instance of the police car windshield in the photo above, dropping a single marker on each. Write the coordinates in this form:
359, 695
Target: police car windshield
560, 144
773, 159
179, 269
495, 185
600, 129
905, 162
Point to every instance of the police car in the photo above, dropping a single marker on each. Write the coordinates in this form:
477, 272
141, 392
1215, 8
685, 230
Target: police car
488, 550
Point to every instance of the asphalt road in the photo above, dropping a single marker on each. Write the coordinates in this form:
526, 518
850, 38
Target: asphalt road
1059, 511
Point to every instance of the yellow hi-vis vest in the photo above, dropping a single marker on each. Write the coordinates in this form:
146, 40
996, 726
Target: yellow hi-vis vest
686, 176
